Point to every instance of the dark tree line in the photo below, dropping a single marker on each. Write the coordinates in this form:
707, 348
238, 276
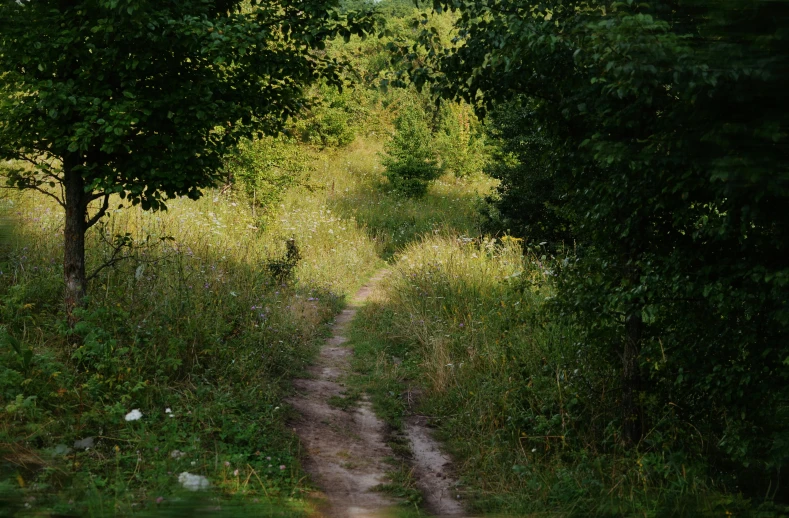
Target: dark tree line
651, 138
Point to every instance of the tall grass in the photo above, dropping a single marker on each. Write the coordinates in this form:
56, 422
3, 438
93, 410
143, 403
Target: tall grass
459, 332
190, 329
392, 221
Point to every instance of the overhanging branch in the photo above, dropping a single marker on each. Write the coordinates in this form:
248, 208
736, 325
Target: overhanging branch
102, 211
39, 189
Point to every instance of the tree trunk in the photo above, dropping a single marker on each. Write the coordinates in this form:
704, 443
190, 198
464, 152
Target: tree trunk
74, 235
632, 429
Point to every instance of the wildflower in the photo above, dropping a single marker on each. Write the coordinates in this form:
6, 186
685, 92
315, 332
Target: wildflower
227, 463
159, 500
193, 482
281, 467
133, 415
177, 454
84, 444
235, 473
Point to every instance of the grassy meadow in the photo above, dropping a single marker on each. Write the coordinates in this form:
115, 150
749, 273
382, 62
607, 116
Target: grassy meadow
459, 332
198, 317
191, 329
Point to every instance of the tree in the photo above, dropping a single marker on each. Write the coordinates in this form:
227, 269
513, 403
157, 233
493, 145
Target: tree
410, 161
143, 99
671, 123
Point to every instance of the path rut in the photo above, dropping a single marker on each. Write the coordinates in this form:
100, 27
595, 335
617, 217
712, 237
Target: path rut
346, 448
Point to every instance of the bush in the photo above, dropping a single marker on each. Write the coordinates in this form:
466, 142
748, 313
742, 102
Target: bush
525, 158
459, 142
333, 120
265, 169
410, 160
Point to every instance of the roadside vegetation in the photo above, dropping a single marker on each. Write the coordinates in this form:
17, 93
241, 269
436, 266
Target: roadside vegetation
197, 318
593, 325
462, 331
200, 327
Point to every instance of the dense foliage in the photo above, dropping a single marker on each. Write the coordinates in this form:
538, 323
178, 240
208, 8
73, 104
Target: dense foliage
411, 160
656, 132
143, 100
627, 356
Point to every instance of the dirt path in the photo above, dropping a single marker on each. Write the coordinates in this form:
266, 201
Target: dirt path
346, 448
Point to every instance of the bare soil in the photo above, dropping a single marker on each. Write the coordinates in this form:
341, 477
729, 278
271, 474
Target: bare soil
345, 449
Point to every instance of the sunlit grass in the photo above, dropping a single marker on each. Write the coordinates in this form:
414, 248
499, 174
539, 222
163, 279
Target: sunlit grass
458, 332
360, 191
190, 322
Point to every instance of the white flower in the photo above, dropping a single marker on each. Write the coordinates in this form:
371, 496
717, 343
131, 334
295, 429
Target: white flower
177, 454
133, 415
193, 482
168, 411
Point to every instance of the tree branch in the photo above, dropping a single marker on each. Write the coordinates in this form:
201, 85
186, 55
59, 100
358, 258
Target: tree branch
102, 211
115, 258
39, 189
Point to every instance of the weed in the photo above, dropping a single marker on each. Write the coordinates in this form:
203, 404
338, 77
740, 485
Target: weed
402, 485
345, 402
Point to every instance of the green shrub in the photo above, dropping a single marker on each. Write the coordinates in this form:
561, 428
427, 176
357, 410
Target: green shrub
410, 160
525, 158
334, 118
459, 142
265, 169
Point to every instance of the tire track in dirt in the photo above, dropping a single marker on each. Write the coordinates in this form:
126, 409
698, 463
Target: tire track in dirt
345, 449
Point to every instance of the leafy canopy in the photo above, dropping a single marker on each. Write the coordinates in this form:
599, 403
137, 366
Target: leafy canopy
657, 134
144, 98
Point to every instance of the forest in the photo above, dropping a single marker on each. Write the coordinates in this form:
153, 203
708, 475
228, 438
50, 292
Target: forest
394, 258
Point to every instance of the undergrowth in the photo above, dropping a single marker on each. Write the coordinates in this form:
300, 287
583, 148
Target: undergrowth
215, 305
190, 329
459, 332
